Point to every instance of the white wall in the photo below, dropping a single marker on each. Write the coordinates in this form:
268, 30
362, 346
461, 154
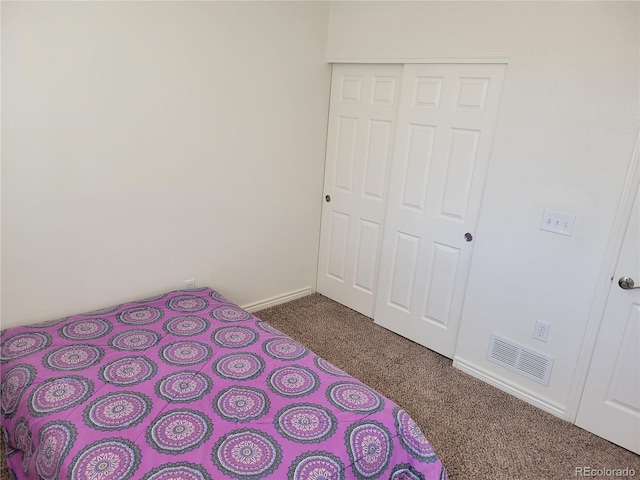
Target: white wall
564, 138
148, 143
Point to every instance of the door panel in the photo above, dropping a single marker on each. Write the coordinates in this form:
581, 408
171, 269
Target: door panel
360, 139
623, 393
421, 140
440, 288
339, 235
405, 258
610, 405
463, 152
443, 141
345, 156
367, 255
379, 139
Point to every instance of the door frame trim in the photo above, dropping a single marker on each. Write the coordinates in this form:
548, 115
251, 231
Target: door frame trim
609, 264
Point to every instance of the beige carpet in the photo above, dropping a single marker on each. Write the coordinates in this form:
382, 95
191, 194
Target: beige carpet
480, 433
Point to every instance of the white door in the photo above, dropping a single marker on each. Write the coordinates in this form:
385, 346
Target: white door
443, 144
362, 115
610, 405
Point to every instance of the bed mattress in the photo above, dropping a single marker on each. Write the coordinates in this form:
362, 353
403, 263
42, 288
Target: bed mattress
189, 386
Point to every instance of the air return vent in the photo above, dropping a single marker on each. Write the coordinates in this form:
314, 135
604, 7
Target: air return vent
526, 362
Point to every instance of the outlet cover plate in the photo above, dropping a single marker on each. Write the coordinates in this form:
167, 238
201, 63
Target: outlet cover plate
541, 331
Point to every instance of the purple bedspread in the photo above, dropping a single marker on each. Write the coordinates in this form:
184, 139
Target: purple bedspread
188, 386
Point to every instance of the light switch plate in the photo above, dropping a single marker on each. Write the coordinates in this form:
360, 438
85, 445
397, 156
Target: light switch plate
556, 222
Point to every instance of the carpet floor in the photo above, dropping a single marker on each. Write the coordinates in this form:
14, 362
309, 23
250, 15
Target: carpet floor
479, 432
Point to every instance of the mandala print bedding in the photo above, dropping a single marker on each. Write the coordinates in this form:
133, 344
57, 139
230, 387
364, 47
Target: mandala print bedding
188, 386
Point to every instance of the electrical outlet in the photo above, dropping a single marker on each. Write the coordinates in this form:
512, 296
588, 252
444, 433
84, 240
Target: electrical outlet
541, 331
190, 284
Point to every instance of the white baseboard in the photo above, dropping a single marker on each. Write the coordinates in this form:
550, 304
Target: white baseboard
277, 300
506, 386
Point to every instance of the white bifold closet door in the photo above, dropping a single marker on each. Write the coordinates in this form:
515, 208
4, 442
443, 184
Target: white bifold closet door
442, 148
362, 115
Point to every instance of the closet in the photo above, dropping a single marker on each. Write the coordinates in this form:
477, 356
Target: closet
408, 147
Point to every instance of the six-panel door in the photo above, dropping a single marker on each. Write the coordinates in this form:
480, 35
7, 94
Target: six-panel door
443, 141
362, 115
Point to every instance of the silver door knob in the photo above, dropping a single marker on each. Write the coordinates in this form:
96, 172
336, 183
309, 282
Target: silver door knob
627, 283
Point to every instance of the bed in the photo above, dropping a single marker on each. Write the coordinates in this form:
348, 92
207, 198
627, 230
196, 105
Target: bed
189, 386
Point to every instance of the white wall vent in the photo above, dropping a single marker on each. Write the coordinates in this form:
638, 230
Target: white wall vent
523, 360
